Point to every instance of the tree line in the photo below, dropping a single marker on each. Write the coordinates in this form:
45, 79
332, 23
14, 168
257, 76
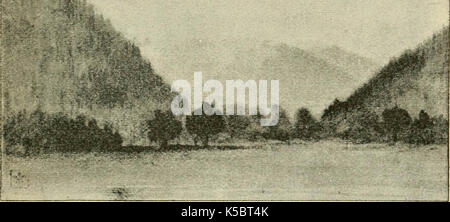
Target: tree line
39, 132
364, 126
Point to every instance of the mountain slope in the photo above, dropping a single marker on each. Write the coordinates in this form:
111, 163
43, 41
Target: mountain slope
63, 57
416, 80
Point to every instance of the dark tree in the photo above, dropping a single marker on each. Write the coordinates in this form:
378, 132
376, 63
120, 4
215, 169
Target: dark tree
305, 126
282, 131
421, 131
163, 128
424, 120
396, 121
204, 126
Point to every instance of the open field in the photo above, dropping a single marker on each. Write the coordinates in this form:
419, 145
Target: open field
311, 171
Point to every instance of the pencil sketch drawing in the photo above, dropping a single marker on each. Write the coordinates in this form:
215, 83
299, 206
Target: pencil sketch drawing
269, 100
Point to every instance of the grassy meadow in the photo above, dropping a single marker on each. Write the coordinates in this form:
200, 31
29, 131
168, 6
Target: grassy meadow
326, 170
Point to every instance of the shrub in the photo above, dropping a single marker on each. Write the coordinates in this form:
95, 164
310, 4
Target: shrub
362, 126
426, 130
237, 125
440, 130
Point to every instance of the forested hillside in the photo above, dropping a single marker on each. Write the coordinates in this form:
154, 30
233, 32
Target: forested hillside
417, 80
63, 57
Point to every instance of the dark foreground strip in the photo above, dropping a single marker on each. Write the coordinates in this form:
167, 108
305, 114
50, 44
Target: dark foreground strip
202, 211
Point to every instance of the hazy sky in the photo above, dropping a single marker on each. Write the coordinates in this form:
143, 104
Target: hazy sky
378, 29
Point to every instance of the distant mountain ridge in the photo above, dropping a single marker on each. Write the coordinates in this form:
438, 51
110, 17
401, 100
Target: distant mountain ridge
360, 68
307, 78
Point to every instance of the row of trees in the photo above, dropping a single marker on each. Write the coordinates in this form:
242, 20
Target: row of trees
165, 127
361, 127
40, 132
395, 125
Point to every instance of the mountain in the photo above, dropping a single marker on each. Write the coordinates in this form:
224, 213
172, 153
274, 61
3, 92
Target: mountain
359, 67
63, 57
416, 80
307, 79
